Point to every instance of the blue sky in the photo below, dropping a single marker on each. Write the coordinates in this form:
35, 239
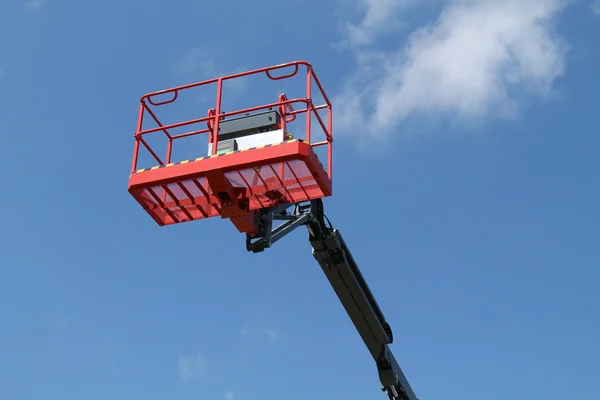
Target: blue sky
465, 182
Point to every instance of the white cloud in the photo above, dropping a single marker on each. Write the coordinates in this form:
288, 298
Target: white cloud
380, 16
477, 60
197, 61
192, 367
596, 7
35, 5
229, 395
271, 334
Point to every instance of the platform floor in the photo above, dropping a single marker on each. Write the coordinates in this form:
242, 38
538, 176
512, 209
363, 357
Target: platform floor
271, 180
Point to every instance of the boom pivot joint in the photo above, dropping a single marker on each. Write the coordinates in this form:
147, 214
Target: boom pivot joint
301, 214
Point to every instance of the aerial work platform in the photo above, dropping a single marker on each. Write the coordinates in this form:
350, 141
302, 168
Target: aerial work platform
256, 158
261, 170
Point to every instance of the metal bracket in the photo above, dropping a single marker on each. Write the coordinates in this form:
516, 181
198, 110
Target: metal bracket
302, 214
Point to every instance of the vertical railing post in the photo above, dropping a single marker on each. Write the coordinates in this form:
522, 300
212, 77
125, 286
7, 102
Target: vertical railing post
136, 146
136, 150
169, 151
309, 101
215, 136
282, 97
329, 142
282, 110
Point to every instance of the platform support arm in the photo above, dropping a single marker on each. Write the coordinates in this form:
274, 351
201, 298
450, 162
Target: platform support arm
336, 261
267, 235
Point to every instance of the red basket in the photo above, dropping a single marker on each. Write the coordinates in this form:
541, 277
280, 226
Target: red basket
235, 184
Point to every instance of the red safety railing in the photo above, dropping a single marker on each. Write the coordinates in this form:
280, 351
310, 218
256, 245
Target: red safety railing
284, 105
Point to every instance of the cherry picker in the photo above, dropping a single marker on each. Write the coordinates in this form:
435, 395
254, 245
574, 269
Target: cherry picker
267, 182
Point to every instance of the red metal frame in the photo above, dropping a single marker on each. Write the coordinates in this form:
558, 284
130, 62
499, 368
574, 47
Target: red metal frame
300, 175
284, 105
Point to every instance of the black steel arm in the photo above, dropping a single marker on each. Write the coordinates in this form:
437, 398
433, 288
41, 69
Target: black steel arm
334, 257
330, 250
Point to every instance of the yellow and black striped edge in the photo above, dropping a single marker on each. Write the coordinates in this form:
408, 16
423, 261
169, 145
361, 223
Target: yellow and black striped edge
216, 155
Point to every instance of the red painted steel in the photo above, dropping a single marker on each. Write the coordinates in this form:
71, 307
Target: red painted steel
233, 185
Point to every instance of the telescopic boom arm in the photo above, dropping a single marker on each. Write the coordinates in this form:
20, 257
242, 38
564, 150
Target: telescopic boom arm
331, 252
